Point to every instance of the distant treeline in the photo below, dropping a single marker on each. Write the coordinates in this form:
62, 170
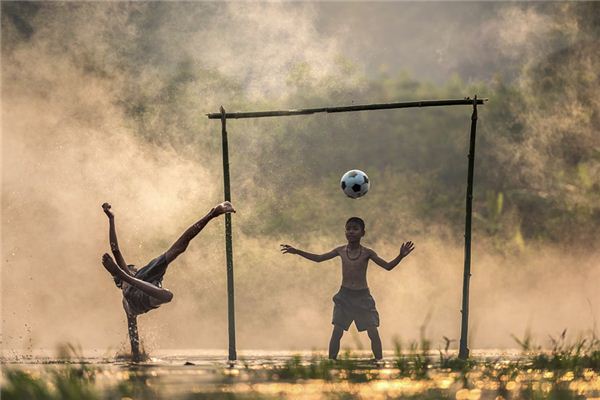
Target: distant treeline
537, 174
537, 164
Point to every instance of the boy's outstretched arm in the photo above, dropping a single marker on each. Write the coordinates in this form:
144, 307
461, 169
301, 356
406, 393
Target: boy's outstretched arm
286, 248
112, 238
405, 250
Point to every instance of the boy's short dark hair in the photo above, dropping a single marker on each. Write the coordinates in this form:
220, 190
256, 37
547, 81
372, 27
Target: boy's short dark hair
358, 221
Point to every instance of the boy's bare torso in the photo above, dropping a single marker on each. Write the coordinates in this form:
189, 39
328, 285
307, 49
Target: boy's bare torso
354, 266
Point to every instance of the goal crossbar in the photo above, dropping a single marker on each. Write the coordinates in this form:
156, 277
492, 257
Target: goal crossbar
361, 107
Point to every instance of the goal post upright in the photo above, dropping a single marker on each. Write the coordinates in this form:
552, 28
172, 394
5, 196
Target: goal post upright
223, 116
463, 352
232, 356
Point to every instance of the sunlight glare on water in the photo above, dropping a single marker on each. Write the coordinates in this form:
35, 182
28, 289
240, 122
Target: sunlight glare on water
306, 375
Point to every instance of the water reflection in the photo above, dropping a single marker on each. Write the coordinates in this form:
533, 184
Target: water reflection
304, 376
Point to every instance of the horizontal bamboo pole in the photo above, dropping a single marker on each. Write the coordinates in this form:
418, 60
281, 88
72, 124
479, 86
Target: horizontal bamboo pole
363, 107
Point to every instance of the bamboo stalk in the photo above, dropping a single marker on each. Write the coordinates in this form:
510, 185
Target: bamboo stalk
463, 352
228, 241
363, 107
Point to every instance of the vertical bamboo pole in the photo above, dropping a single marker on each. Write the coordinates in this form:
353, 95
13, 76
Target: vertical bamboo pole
464, 331
228, 241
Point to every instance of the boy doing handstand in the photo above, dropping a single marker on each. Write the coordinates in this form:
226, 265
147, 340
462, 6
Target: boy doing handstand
354, 302
142, 289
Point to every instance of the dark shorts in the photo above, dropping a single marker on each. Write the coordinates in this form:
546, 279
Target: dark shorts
154, 271
354, 305
139, 302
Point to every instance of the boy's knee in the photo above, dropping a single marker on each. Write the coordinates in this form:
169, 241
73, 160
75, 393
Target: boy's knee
164, 297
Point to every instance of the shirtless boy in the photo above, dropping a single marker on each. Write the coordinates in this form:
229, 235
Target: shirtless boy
354, 302
142, 289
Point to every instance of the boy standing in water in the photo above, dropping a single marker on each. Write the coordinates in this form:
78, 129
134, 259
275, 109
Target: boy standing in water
354, 302
142, 289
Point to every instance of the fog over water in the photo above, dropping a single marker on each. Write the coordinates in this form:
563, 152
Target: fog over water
107, 102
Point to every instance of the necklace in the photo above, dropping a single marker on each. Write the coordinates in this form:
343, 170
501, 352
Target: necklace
357, 257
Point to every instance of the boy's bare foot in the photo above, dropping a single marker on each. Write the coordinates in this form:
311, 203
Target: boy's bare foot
224, 207
110, 265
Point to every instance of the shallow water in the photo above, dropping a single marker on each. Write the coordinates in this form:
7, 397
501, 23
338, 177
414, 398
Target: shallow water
208, 357
193, 374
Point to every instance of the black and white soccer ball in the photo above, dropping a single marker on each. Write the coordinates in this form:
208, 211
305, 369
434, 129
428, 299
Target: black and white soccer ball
355, 183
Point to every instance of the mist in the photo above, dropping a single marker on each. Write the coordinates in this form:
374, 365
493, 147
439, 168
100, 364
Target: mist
107, 102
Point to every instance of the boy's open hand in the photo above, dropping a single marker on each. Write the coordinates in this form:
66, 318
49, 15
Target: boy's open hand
106, 208
286, 248
406, 248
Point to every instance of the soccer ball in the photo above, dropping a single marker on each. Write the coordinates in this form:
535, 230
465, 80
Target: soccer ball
355, 183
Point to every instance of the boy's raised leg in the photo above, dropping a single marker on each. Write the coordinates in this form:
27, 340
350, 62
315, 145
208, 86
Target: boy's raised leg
375, 342
334, 342
182, 243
